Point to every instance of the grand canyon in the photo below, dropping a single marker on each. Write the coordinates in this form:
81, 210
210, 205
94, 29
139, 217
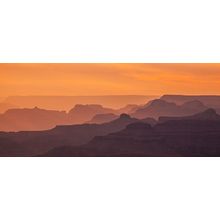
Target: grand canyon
109, 110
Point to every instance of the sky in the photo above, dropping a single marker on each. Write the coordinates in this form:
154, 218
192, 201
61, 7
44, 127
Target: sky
108, 79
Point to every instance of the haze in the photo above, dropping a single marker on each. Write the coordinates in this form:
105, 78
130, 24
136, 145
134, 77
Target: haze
108, 79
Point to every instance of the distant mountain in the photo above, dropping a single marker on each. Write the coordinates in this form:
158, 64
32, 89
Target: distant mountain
83, 113
192, 107
107, 117
26, 119
159, 107
209, 114
31, 119
212, 101
67, 102
30, 143
128, 109
172, 138
4, 106
103, 118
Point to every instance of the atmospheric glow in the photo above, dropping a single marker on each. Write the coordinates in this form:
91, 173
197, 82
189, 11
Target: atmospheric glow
109, 79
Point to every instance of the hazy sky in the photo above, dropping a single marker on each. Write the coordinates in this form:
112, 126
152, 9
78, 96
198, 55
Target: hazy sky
109, 79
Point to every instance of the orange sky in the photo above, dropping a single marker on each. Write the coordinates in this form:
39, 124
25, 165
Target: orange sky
109, 79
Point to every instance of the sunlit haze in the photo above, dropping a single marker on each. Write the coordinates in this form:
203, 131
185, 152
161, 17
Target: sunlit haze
108, 79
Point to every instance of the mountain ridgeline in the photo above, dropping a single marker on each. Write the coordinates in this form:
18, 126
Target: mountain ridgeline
36, 119
197, 135
67, 102
41, 119
213, 101
31, 143
159, 107
169, 126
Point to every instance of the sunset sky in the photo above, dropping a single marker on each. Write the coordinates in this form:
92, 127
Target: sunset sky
109, 79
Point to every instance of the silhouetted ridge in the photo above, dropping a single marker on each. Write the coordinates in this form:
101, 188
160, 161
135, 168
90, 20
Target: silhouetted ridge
128, 109
161, 103
67, 102
30, 143
103, 118
26, 119
172, 138
212, 101
83, 113
157, 108
207, 115
31, 119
